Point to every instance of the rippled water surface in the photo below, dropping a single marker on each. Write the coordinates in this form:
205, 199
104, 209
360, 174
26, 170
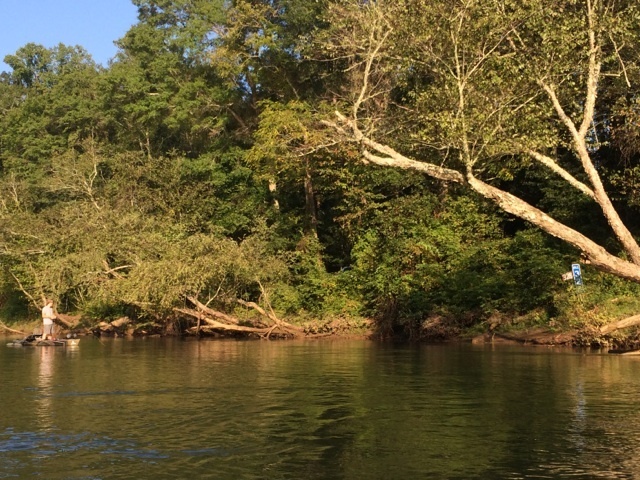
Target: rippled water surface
166, 408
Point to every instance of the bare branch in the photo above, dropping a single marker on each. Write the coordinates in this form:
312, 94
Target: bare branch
374, 47
394, 158
560, 111
400, 161
10, 330
24, 291
617, 51
582, 151
552, 165
594, 73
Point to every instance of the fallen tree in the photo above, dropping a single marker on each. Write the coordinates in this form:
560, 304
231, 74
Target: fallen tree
115, 326
214, 321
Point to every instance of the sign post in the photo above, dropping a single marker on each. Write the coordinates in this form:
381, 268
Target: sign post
577, 274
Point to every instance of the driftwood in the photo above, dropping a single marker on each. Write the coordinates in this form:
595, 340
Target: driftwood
224, 328
539, 337
210, 320
271, 316
545, 337
117, 324
228, 319
211, 325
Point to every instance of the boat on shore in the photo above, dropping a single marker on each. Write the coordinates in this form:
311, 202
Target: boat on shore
36, 341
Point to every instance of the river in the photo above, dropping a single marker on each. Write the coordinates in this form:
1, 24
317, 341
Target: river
331, 409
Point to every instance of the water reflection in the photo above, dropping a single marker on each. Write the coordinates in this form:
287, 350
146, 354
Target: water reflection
45, 387
317, 410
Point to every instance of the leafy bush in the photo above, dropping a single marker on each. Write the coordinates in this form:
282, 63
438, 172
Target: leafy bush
423, 258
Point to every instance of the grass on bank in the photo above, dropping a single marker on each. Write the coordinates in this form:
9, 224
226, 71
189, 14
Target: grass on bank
603, 299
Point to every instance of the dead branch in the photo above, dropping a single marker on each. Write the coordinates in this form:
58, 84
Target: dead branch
212, 325
117, 324
270, 331
258, 309
213, 313
265, 296
113, 271
215, 326
24, 291
552, 165
206, 317
221, 327
197, 315
270, 316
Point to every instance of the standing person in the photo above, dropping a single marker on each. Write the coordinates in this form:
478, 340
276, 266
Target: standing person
47, 320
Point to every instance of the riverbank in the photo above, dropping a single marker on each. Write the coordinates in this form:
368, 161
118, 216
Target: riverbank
433, 330
123, 327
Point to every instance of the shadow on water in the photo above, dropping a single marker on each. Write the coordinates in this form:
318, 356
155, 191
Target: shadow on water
165, 408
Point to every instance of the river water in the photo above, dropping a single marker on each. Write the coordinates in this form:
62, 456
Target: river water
329, 409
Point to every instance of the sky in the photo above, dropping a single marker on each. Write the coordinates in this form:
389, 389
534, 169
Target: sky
91, 24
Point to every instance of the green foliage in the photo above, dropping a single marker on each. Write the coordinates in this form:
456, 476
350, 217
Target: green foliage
425, 258
48, 112
602, 299
317, 292
208, 267
197, 162
36, 67
13, 306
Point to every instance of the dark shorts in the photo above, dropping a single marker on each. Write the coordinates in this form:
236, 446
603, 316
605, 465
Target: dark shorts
47, 329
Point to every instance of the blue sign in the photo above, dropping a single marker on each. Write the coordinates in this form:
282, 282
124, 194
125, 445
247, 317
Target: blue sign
577, 274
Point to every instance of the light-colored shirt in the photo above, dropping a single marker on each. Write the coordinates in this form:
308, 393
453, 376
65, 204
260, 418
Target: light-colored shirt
48, 315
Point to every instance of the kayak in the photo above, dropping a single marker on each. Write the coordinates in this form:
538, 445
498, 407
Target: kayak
36, 341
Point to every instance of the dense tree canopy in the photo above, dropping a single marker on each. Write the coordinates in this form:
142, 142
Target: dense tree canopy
223, 158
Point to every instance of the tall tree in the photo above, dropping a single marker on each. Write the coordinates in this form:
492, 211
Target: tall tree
259, 48
160, 93
50, 103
